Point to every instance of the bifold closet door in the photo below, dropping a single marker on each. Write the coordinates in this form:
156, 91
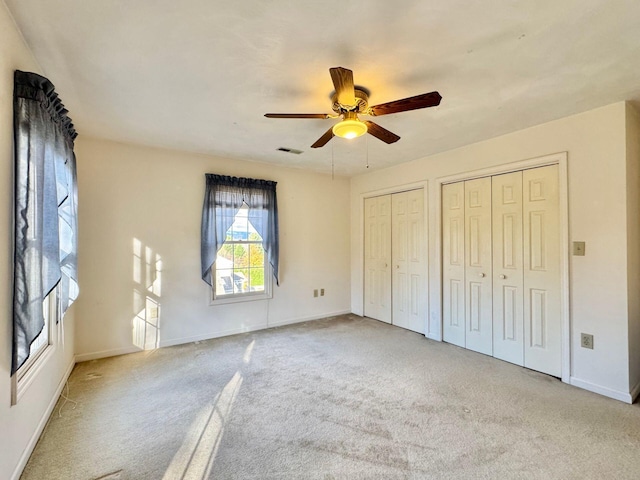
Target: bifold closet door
453, 297
508, 273
478, 266
501, 253
377, 258
408, 259
542, 319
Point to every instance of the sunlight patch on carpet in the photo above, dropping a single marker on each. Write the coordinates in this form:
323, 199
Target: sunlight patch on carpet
195, 458
248, 352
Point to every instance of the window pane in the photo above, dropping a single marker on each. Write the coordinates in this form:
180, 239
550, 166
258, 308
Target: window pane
257, 279
240, 255
240, 280
224, 281
226, 254
256, 255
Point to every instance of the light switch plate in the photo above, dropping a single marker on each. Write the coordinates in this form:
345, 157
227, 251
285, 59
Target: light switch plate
579, 249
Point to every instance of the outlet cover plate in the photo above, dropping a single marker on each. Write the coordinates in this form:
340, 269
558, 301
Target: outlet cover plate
579, 249
586, 340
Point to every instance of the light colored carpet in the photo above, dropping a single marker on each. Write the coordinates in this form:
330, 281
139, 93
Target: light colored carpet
339, 398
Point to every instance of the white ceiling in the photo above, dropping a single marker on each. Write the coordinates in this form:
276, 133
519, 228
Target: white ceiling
198, 75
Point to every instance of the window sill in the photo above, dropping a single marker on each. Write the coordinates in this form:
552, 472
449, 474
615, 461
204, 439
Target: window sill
240, 299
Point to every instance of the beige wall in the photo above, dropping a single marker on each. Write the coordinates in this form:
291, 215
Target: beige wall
633, 243
597, 182
129, 193
21, 424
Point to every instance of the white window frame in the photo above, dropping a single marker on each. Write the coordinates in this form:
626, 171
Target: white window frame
27, 373
244, 296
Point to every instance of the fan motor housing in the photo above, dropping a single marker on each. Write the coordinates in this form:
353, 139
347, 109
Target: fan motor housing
362, 103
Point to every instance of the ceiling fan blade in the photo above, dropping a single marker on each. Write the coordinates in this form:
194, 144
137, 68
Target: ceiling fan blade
297, 115
322, 141
412, 103
381, 133
343, 81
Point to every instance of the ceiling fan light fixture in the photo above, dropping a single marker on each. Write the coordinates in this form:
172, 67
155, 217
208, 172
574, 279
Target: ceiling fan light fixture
349, 128
349, 100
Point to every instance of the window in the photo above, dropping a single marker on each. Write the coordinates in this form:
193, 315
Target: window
239, 238
45, 224
239, 270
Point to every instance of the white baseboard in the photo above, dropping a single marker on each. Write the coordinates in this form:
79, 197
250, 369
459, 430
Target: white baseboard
607, 392
235, 331
307, 319
84, 357
635, 391
43, 422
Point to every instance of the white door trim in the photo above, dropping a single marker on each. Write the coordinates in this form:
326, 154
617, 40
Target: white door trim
560, 159
423, 184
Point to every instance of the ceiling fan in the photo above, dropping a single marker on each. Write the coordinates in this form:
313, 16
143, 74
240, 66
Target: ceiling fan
349, 101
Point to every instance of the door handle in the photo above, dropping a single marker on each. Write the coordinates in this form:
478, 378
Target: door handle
397, 266
503, 277
482, 275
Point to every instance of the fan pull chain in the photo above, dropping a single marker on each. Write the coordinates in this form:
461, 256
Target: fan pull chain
332, 163
367, 145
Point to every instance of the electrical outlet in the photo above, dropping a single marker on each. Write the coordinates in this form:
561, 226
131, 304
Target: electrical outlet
586, 340
322, 292
579, 249
153, 312
315, 292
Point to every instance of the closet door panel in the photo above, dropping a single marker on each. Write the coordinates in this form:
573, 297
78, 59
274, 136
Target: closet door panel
478, 321
399, 225
542, 322
508, 320
409, 260
417, 262
377, 261
453, 264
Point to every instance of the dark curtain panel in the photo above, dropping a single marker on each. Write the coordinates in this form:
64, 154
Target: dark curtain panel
45, 207
222, 199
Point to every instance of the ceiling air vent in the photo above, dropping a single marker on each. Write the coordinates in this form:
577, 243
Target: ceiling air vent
290, 150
